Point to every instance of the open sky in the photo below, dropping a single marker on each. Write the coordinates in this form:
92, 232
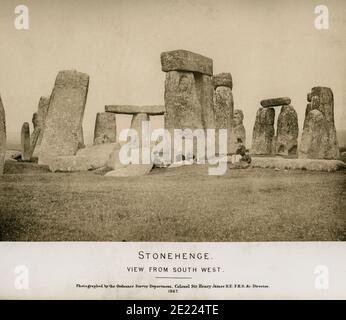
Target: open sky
271, 48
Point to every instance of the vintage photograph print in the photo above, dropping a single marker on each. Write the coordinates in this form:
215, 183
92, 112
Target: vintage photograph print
175, 124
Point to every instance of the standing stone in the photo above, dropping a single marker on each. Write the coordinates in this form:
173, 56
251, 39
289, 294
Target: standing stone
205, 94
63, 126
263, 132
25, 141
105, 128
237, 134
2, 137
319, 141
183, 109
287, 131
136, 124
223, 104
41, 116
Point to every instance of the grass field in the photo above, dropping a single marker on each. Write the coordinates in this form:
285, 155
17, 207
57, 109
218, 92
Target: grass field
178, 204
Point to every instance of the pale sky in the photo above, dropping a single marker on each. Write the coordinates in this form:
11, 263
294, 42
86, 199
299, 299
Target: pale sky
271, 48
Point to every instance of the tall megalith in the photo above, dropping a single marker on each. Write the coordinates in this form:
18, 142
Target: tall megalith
287, 131
25, 141
63, 126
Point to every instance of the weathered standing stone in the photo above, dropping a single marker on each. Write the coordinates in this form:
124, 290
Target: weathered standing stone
223, 104
105, 128
263, 132
25, 141
319, 140
2, 137
205, 94
41, 116
63, 126
183, 108
275, 102
287, 131
223, 80
182, 60
237, 134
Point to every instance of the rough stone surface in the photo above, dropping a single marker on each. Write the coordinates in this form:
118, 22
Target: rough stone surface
263, 132
89, 158
25, 141
224, 105
223, 80
105, 128
183, 108
237, 134
182, 60
275, 102
2, 137
205, 94
287, 131
63, 126
155, 110
319, 140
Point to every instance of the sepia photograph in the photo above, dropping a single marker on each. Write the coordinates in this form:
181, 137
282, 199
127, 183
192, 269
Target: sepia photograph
173, 121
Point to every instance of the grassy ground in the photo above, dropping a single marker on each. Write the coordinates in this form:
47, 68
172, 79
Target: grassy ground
180, 204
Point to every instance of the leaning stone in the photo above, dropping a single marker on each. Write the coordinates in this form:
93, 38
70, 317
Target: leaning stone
25, 142
263, 132
182, 60
287, 131
223, 80
105, 128
63, 125
2, 137
155, 110
275, 102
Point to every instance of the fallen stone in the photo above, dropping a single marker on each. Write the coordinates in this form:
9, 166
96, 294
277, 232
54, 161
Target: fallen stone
89, 158
13, 155
298, 164
63, 126
105, 128
263, 132
287, 131
182, 60
25, 141
2, 137
155, 110
223, 80
275, 102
